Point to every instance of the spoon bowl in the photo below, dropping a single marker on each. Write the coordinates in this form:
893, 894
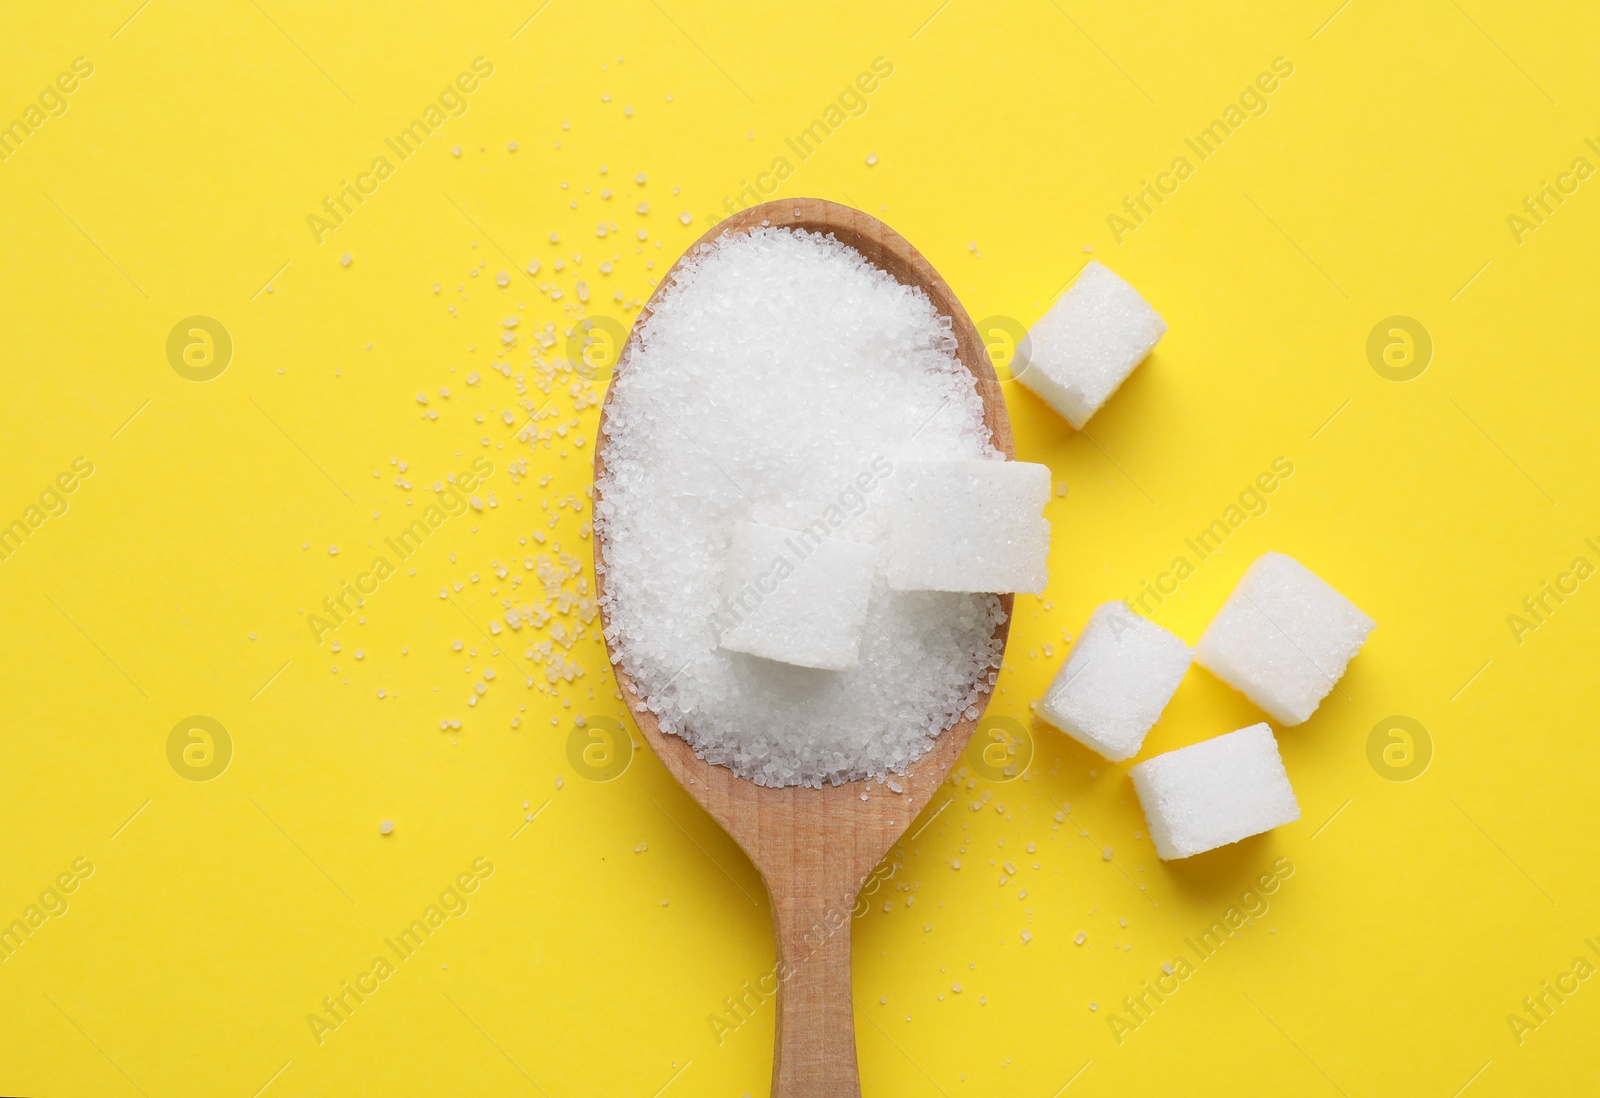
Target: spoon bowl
815, 848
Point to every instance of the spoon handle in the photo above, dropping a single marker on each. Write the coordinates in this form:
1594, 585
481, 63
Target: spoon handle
815, 1053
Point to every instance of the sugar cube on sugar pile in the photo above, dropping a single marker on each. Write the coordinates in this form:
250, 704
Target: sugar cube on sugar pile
1117, 678
968, 526
1077, 354
1283, 638
1215, 792
796, 597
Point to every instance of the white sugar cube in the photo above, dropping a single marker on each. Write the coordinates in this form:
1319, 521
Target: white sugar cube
968, 526
1283, 638
796, 597
1215, 792
1088, 343
1117, 678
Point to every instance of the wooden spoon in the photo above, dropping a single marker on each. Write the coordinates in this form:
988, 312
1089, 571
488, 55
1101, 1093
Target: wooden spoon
815, 848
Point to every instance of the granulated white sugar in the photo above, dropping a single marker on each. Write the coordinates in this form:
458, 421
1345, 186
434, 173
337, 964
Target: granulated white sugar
779, 380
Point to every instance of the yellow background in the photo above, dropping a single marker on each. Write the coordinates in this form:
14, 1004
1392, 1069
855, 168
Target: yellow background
220, 913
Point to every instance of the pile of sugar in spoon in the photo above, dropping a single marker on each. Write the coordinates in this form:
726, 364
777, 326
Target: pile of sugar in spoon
803, 516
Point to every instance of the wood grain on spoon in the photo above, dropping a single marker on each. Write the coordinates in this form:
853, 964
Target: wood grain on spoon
815, 848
